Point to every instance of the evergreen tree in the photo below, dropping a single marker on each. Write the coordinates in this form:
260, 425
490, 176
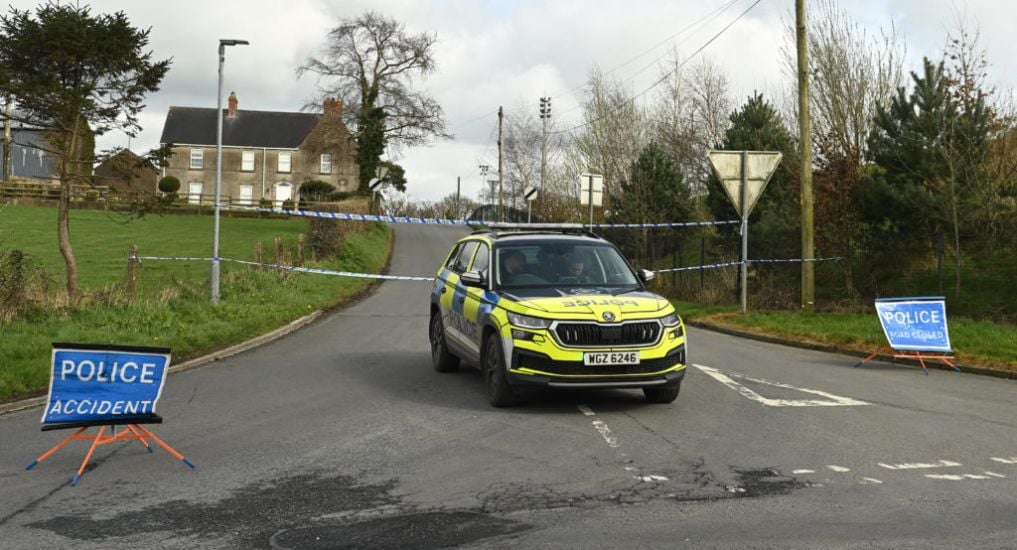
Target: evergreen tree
654, 192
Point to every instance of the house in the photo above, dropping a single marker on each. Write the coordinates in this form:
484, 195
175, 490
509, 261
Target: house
265, 154
127, 174
29, 159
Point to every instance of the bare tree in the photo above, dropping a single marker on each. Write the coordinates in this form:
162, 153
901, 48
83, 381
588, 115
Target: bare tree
370, 62
614, 133
690, 116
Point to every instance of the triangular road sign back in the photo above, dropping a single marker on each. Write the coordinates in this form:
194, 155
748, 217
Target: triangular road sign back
760, 165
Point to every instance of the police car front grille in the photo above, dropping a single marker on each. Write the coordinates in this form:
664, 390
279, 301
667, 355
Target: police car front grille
588, 334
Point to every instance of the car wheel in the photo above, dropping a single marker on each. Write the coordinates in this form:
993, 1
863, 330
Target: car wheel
499, 393
441, 357
663, 394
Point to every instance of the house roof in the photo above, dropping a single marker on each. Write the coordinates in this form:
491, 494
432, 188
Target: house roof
273, 129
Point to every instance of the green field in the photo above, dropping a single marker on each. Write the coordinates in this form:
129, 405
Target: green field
977, 342
172, 307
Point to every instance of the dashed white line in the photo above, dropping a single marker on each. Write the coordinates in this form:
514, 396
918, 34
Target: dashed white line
1011, 460
650, 478
838, 469
994, 474
799, 472
586, 411
605, 432
871, 481
920, 465
956, 477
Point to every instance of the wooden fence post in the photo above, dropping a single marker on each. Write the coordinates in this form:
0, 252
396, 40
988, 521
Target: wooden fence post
259, 256
300, 249
132, 271
278, 252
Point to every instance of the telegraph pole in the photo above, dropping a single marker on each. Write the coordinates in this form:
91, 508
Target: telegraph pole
8, 164
501, 212
545, 115
805, 138
459, 186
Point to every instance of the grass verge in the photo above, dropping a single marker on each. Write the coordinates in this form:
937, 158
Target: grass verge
176, 312
975, 342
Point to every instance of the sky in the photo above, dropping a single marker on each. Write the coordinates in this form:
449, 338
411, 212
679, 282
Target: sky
510, 53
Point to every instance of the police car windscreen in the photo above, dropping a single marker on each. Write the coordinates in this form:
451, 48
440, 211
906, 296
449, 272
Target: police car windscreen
558, 265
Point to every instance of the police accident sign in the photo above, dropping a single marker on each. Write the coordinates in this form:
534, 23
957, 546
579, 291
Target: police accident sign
98, 383
914, 324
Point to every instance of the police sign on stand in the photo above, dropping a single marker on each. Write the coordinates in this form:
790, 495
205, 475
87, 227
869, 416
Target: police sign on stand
105, 386
915, 328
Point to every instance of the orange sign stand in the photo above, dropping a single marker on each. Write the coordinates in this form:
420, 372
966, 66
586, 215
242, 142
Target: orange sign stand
132, 430
921, 356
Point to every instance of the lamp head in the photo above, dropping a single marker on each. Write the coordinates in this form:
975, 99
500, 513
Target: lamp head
232, 42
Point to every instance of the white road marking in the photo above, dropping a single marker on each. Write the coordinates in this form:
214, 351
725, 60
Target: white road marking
838, 469
920, 465
830, 401
586, 410
1011, 460
650, 478
870, 481
994, 474
955, 477
798, 472
605, 432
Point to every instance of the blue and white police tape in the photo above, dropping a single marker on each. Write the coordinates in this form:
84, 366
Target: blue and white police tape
290, 268
697, 267
444, 221
797, 260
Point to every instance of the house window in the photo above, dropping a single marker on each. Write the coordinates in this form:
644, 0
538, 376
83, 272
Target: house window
247, 195
326, 163
197, 159
284, 161
247, 161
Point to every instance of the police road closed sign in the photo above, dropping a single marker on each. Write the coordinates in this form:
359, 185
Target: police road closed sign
95, 383
914, 324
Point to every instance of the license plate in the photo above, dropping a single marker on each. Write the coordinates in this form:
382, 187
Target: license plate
611, 358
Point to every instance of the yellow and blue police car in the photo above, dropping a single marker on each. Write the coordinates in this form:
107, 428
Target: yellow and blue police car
555, 309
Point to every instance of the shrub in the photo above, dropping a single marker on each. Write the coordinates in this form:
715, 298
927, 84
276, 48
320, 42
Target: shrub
265, 203
288, 204
169, 184
316, 190
91, 196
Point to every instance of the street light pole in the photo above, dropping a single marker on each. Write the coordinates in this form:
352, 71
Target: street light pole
223, 42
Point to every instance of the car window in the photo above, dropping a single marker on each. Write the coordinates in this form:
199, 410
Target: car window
451, 261
464, 256
561, 264
480, 260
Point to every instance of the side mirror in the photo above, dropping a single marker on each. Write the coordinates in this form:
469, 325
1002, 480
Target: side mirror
473, 279
646, 275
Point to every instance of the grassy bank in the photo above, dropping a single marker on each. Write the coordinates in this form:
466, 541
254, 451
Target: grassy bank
172, 307
976, 342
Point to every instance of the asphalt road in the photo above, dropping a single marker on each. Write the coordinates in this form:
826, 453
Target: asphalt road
341, 435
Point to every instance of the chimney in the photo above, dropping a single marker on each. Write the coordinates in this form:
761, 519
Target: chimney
233, 105
333, 106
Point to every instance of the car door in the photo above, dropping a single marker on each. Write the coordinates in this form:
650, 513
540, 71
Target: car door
456, 326
474, 298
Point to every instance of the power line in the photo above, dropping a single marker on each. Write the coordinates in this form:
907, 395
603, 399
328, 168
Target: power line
666, 75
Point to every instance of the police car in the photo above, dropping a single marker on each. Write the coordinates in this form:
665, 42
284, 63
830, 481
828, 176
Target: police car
554, 309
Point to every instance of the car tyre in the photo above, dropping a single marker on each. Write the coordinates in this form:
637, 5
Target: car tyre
663, 394
499, 393
441, 357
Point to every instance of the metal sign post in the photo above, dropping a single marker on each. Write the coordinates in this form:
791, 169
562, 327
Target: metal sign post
744, 175
530, 193
591, 191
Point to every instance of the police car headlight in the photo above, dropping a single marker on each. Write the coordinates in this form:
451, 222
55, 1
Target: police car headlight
670, 320
525, 321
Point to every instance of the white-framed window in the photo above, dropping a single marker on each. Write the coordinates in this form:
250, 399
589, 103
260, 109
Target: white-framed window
285, 158
247, 161
326, 163
194, 192
246, 194
197, 159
